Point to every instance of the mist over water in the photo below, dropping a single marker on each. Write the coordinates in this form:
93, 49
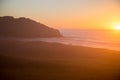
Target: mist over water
108, 39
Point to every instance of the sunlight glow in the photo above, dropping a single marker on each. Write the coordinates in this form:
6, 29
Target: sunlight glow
117, 27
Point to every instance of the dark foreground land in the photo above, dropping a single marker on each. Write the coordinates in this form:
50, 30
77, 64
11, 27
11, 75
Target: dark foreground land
53, 61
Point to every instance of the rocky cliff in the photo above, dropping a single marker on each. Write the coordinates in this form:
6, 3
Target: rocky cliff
25, 27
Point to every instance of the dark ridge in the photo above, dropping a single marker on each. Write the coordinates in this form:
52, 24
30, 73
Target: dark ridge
52, 61
25, 27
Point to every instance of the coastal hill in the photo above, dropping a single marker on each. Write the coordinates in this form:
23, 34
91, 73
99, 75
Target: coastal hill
53, 61
25, 27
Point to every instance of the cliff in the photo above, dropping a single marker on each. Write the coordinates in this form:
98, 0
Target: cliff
25, 27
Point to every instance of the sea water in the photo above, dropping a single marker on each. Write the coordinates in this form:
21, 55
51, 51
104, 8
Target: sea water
107, 39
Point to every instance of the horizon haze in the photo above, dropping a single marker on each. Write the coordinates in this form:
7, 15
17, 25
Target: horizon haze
66, 14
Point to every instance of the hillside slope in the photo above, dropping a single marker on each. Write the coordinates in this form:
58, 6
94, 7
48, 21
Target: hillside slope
25, 27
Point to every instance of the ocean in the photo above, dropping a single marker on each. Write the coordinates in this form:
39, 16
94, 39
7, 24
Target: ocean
107, 39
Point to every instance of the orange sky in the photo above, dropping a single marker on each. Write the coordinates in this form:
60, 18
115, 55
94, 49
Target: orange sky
75, 14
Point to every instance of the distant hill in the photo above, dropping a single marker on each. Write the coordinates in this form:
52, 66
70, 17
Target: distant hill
25, 27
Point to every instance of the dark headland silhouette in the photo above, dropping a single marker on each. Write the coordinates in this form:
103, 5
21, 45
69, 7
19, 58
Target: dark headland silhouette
25, 27
30, 60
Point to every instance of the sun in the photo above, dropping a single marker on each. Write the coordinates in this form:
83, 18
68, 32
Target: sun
117, 27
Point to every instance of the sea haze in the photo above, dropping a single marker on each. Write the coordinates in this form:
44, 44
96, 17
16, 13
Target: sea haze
108, 39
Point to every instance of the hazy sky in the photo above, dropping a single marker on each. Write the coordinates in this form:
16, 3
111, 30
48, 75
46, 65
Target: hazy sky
90, 14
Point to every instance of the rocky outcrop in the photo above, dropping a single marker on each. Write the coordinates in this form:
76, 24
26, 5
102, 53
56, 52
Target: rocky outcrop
25, 27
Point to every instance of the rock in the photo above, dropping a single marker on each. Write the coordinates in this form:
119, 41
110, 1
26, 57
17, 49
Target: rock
25, 27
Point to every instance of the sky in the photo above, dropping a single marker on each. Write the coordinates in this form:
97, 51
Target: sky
66, 14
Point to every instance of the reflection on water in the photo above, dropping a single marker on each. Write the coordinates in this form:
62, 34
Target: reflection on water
90, 38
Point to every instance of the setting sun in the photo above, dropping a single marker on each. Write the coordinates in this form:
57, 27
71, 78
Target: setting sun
117, 27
